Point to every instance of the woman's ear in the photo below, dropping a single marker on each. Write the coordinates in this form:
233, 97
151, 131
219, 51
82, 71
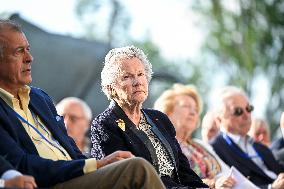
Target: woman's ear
111, 91
109, 88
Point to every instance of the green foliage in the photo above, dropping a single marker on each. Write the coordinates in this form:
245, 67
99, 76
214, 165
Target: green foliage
105, 20
247, 38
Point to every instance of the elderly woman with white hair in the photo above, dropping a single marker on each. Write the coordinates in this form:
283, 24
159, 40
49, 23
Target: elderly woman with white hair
125, 125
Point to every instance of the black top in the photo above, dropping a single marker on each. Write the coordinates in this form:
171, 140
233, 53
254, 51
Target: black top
108, 137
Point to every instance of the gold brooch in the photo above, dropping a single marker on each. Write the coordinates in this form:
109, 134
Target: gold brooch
121, 124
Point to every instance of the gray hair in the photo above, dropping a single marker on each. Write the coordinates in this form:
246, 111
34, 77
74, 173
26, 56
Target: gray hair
219, 97
114, 56
61, 105
4, 26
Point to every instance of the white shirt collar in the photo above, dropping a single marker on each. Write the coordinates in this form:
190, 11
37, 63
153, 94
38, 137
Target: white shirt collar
242, 141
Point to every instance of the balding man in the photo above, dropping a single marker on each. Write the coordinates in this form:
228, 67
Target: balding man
77, 117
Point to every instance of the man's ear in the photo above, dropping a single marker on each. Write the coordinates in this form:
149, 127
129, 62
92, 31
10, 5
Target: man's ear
218, 120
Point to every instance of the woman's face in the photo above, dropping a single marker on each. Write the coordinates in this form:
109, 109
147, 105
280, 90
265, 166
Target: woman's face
131, 85
185, 114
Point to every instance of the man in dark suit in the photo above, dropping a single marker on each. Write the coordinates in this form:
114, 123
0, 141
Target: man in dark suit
235, 148
34, 138
12, 178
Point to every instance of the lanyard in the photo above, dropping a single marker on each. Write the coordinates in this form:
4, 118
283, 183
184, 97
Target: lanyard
238, 151
38, 132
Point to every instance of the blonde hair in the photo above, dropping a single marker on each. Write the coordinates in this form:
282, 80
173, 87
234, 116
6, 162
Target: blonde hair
165, 103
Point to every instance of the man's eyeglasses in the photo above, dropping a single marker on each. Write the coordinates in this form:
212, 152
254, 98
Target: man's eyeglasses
72, 118
238, 111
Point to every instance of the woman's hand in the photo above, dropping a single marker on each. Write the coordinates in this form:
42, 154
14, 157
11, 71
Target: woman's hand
115, 156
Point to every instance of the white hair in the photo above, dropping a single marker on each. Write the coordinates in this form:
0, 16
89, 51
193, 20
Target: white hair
61, 105
220, 95
110, 71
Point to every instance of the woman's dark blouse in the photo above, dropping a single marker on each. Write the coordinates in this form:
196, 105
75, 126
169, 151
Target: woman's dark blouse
107, 137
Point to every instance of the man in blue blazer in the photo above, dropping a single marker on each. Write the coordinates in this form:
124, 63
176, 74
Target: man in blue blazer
236, 148
34, 138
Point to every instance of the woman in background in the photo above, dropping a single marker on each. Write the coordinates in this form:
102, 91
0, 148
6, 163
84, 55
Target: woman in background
183, 106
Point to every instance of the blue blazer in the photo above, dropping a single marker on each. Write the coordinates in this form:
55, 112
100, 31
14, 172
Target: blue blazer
107, 137
18, 148
4, 165
245, 165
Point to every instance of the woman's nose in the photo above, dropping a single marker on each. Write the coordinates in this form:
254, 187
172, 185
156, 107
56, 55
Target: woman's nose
136, 81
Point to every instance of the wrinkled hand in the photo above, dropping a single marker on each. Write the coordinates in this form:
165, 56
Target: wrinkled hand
23, 181
225, 182
279, 182
115, 156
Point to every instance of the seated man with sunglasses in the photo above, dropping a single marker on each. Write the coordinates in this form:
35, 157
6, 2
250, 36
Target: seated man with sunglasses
236, 148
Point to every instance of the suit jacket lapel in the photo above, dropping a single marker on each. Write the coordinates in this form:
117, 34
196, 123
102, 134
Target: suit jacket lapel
14, 125
246, 162
268, 159
133, 134
49, 121
129, 125
44, 113
161, 138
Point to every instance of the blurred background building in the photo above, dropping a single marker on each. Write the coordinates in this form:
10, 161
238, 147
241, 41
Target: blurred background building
65, 66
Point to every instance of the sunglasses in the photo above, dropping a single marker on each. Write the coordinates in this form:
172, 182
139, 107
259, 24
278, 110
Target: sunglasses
238, 111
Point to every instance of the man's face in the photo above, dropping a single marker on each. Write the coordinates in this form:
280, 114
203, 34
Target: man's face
15, 66
75, 120
236, 117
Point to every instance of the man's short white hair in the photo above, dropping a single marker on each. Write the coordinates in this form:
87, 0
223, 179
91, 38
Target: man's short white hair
219, 96
61, 105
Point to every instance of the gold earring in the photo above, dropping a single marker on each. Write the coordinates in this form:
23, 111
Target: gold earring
113, 93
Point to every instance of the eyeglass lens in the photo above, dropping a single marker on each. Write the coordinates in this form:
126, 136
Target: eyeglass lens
239, 111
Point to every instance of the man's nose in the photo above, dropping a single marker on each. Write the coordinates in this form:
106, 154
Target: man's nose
28, 57
247, 114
